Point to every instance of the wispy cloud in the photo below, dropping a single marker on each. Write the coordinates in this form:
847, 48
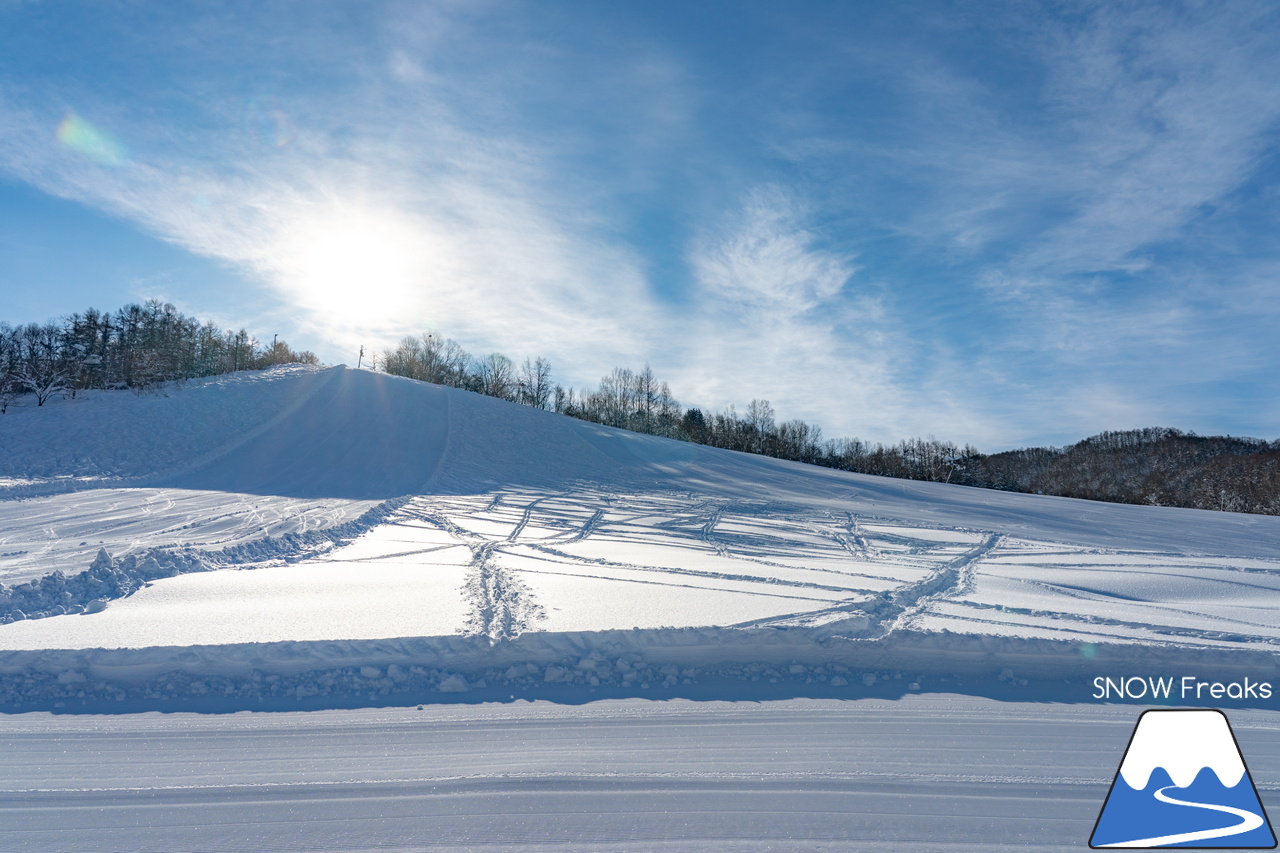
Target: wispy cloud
1002, 228
1159, 123
765, 259
1071, 198
1166, 113
781, 317
399, 204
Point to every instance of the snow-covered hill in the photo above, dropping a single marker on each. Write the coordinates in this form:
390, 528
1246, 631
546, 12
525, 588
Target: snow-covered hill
413, 537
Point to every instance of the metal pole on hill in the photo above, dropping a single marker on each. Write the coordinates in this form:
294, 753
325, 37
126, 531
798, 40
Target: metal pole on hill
360, 360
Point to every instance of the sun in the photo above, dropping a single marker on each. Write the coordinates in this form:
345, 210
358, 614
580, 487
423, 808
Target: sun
355, 269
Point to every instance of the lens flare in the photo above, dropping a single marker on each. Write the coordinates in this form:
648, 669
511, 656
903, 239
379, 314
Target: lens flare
268, 122
85, 139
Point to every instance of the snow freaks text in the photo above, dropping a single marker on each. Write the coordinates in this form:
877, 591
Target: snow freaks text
1186, 688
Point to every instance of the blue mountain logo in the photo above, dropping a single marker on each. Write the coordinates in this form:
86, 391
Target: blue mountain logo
1183, 783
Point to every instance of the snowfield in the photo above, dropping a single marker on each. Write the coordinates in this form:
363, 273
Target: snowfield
320, 538
342, 505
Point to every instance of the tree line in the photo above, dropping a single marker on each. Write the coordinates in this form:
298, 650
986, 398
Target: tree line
142, 347
1155, 466
138, 346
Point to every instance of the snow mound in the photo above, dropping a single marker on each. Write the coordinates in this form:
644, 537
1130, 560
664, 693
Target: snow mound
105, 438
476, 539
347, 434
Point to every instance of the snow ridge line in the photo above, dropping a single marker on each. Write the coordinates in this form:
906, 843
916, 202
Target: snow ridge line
107, 578
502, 606
475, 779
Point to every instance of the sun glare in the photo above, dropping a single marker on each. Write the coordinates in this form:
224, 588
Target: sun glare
356, 270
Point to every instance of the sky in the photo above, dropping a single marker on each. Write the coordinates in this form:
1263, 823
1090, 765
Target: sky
1006, 224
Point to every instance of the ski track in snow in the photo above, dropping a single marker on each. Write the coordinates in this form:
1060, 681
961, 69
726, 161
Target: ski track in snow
565, 569
381, 543
509, 522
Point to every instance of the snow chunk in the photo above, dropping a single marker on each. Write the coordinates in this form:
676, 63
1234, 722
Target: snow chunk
454, 684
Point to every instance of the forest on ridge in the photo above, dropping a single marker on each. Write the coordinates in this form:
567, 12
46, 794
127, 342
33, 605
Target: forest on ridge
145, 347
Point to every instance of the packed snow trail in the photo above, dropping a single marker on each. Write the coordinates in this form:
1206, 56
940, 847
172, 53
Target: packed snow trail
502, 608
938, 774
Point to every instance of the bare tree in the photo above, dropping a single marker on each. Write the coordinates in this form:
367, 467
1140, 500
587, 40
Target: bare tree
535, 383
10, 350
760, 423
565, 401
496, 375
42, 367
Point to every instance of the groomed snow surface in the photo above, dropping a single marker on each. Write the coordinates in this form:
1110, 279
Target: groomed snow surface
928, 774
321, 538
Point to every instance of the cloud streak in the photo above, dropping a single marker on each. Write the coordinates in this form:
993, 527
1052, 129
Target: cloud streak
1010, 228
377, 219
780, 318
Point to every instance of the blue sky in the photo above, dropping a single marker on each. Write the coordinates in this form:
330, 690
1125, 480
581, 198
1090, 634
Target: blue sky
999, 223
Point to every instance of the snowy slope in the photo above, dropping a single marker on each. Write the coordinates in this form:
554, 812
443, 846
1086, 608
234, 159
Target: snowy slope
366, 508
